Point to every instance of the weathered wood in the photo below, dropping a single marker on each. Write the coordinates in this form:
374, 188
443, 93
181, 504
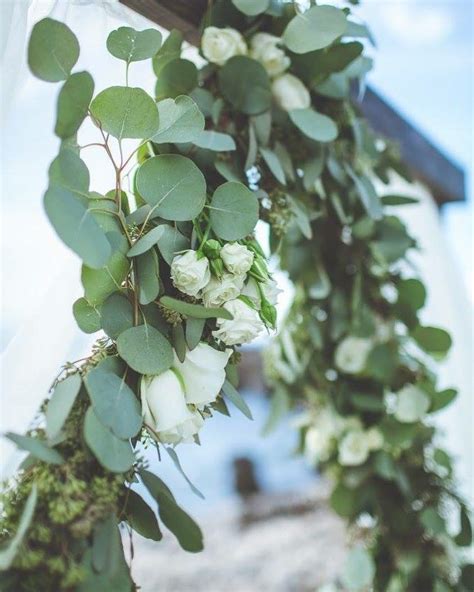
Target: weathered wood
427, 162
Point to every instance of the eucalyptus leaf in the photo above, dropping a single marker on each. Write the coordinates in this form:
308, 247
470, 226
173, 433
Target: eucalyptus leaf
113, 454
145, 350
9, 552
100, 283
141, 517
433, 340
38, 448
194, 310
114, 403
174, 457
234, 211
317, 28
148, 276
76, 226
126, 112
170, 50
194, 329
236, 398
171, 242
177, 77
215, 141
180, 120
251, 7
53, 50
274, 164
359, 570
316, 126
130, 45
61, 403
368, 196
244, 82
116, 315
146, 242
87, 317
173, 185
70, 172
73, 102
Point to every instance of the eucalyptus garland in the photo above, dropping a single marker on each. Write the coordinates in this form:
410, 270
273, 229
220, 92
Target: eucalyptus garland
175, 280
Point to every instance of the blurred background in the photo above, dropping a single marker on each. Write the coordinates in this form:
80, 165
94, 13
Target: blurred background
423, 68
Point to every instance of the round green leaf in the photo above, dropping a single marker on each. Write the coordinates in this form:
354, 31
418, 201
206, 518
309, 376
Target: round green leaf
215, 141
116, 315
145, 350
245, 84
315, 125
141, 517
315, 29
234, 211
180, 120
113, 454
100, 283
433, 340
61, 403
38, 448
130, 45
76, 227
69, 171
126, 112
73, 102
115, 404
148, 276
359, 570
52, 51
251, 7
171, 243
176, 77
173, 185
87, 316
146, 242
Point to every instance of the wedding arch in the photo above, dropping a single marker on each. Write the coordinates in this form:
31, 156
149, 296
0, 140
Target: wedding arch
175, 280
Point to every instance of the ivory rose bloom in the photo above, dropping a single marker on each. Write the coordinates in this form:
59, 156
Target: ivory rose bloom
374, 438
354, 448
290, 93
165, 410
270, 291
237, 258
190, 274
222, 290
265, 49
351, 354
243, 328
219, 45
412, 404
321, 436
202, 373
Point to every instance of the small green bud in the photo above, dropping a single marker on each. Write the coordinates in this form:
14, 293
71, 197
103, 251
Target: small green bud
211, 248
217, 267
254, 246
259, 269
268, 314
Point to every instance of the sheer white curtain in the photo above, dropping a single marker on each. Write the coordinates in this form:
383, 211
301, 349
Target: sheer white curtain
40, 276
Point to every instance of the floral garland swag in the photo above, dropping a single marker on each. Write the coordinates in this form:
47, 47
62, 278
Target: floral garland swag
175, 279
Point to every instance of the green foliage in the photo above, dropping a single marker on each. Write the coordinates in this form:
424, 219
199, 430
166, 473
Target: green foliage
315, 125
180, 120
245, 84
73, 102
315, 29
234, 211
177, 77
130, 45
145, 349
61, 403
251, 7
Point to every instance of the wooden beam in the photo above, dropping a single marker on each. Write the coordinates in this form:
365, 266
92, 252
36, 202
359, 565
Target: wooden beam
444, 177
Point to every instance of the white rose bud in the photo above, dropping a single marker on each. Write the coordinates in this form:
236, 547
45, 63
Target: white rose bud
351, 354
270, 291
317, 446
265, 49
243, 328
219, 291
375, 438
219, 45
189, 273
203, 373
237, 258
353, 449
412, 404
290, 93
165, 410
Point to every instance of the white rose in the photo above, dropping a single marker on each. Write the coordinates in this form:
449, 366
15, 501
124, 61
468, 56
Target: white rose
351, 354
189, 273
237, 258
265, 49
411, 405
202, 373
219, 45
317, 446
375, 439
270, 291
243, 328
165, 410
290, 93
219, 291
353, 448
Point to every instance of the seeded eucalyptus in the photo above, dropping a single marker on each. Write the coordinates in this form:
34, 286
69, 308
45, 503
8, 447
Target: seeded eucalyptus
175, 280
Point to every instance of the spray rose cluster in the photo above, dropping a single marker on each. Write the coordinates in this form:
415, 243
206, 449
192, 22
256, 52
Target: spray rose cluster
219, 45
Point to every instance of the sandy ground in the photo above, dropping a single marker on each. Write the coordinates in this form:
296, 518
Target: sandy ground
277, 553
